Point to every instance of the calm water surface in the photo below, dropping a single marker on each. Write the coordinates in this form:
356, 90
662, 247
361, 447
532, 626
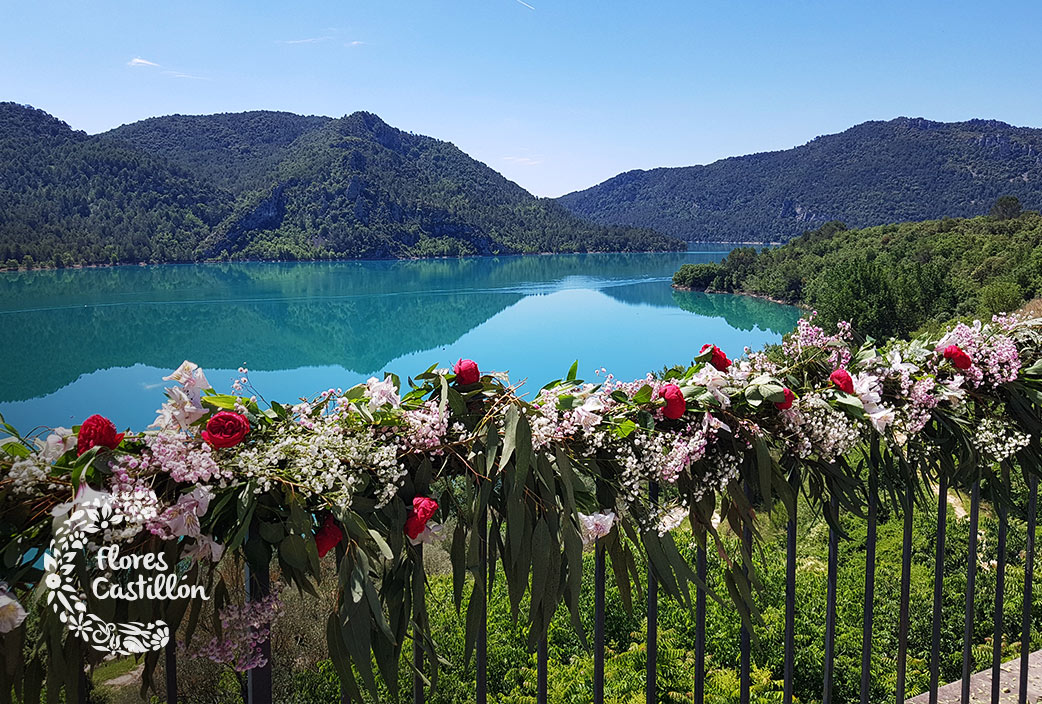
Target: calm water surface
78, 342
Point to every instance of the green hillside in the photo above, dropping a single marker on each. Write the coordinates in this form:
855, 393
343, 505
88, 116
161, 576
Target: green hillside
872, 174
265, 185
359, 187
891, 279
70, 199
235, 151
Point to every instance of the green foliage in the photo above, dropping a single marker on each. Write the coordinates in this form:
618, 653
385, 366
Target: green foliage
894, 279
871, 174
1006, 208
265, 185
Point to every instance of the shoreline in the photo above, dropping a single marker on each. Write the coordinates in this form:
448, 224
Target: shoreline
365, 259
763, 296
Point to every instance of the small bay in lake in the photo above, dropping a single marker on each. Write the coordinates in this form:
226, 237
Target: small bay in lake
77, 342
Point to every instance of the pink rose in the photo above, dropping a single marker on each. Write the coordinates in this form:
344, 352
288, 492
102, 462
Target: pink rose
97, 431
719, 360
959, 358
328, 536
841, 378
466, 371
226, 429
423, 507
675, 403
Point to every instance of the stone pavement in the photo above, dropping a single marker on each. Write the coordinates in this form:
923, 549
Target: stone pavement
980, 685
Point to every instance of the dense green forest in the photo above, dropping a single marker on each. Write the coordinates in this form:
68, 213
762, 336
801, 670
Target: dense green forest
236, 151
872, 174
265, 185
893, 279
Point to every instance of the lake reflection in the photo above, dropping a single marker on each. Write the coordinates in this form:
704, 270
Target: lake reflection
77, 342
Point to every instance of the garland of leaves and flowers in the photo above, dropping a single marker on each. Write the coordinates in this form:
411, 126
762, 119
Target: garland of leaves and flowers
381, 468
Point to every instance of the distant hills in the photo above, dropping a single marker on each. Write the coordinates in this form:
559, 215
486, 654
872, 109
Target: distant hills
872, 174
266, 185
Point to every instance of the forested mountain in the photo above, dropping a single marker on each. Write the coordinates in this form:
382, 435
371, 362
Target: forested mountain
236, 151
359, 187
68, 198
265, 185
892, 279
875, 173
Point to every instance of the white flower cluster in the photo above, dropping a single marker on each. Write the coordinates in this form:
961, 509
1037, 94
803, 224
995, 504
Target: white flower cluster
998, 439
27, 475
723, 469
324, 457
31, 475
819, 429
670, 518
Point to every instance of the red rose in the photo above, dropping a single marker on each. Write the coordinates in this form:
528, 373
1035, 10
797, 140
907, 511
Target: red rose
423, 507
719, 359
959, 358
787, 403
97, 430
675, 403
841, 378
466, 371
328, 536
226, 429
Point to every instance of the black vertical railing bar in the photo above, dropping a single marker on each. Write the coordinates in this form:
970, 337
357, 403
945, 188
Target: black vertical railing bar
870, 588
1029, 574
598, 622
170, 664
651, 675
83, 681
419, 595
971, 585
906, 588
1000, 589
541, 671
790, 610
258, 679
938, 585
698, 690
744, 636
480, 587
830, 606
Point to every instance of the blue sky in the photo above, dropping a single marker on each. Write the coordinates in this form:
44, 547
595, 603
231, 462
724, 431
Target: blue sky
556, 95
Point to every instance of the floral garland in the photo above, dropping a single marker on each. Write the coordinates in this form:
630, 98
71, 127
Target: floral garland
458, 454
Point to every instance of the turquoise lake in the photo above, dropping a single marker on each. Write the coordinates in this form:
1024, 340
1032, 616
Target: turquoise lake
77, 342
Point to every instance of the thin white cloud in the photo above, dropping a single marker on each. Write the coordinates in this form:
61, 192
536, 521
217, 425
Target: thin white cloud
524, 160
138, 61
178, 74
522, 2
309, 40
356, 43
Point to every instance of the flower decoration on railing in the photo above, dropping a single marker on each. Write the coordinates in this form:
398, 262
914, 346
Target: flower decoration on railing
384, 467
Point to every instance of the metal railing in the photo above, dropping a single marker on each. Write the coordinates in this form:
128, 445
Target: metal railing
260, 679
